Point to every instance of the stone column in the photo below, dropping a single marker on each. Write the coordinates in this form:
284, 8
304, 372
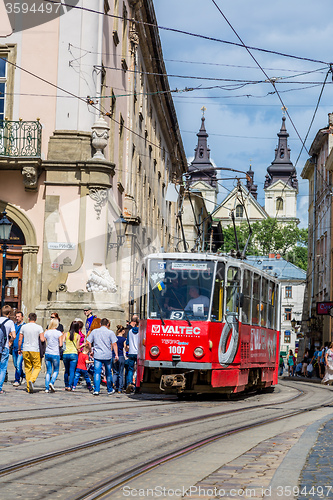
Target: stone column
30, 279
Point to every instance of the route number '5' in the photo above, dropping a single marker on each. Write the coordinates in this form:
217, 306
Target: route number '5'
179, 349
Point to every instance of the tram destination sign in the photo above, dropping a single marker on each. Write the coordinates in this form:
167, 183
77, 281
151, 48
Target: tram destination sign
324, 308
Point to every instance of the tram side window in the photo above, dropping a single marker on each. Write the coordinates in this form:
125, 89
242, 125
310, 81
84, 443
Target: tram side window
247, 294
218, 296
264, 302
271, 305
143, 295
256, 299
232, 290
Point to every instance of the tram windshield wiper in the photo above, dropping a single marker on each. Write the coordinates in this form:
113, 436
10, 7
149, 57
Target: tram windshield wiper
158, 305
182, 308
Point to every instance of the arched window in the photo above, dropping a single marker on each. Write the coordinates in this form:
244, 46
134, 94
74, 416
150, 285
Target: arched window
279, 204
239, 211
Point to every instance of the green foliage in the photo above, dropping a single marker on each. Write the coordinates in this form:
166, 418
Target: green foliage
270, 236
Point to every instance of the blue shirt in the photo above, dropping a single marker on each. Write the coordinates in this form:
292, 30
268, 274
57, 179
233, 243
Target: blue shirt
88, 322
16, 340
120, 343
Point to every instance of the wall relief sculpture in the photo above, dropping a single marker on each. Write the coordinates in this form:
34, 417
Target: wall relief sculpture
30, 177
101, 281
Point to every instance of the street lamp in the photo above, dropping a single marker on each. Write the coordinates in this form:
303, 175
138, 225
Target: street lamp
5, 229
120, 225
293, 323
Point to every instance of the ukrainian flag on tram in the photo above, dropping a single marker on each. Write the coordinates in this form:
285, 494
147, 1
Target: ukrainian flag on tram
160, 285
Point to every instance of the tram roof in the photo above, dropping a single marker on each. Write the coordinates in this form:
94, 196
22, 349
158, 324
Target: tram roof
278, 267
248, 262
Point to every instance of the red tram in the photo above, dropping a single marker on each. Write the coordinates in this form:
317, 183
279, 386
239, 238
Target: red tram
211, 325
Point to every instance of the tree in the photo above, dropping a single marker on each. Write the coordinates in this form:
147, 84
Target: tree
270, 236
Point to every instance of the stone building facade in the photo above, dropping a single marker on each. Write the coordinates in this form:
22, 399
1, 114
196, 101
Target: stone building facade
318, 171
87, 135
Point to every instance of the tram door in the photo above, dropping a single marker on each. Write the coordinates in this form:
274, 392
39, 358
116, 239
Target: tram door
14, 260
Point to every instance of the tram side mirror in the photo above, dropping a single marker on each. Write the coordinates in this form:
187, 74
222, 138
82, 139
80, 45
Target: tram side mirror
240, 299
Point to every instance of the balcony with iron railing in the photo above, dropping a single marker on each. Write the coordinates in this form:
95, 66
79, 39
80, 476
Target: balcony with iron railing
20, 139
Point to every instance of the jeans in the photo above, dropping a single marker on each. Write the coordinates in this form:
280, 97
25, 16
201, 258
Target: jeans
118, 373
84, 373
51, 361
70, 362
131, 363
97, 374
3, 365
18, 364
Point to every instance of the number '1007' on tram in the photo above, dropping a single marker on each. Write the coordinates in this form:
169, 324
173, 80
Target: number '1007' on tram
209, 324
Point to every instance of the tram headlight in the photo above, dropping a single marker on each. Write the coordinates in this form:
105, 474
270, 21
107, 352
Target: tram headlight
154, 351
198, 352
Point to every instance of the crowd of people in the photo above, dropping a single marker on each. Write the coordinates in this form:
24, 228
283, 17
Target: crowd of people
90, 352
319, 364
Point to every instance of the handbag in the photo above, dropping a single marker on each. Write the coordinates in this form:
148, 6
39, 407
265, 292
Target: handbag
61, 352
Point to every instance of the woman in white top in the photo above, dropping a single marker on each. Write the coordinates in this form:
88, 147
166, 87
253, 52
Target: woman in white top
54, 340
328, 378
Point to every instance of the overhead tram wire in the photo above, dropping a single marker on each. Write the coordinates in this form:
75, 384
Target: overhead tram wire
188, 33
208, 78
270, 79
109, 54
264, 72
314, 113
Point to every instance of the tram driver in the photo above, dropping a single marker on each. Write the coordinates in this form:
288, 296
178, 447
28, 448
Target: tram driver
196, 301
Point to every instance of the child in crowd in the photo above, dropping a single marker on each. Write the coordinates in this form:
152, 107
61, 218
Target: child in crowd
82, 368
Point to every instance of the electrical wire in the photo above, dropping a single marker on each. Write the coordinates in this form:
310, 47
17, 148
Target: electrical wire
188, 33
108, 54
208, 78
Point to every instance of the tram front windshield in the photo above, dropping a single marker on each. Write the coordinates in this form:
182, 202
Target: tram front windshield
180, 289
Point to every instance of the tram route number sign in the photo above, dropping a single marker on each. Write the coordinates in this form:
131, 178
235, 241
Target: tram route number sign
325, 308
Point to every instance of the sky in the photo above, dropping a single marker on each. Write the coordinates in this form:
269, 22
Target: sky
243, 121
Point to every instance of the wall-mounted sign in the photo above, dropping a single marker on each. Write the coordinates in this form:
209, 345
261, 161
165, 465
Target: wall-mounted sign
324, 307
61, 246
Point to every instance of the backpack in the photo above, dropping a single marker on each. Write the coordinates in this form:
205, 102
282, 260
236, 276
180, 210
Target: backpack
3, 335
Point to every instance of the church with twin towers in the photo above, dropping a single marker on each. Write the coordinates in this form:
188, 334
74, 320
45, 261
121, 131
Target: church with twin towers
280, 185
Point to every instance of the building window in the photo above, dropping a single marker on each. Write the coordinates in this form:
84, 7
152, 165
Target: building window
287, 313
288, 292
239, 211
3, 67
279, 204
287, 337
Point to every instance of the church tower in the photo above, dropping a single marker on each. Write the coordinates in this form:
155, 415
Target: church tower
281, 184
201, 172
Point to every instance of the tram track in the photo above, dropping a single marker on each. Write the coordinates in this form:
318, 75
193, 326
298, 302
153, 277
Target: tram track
105, 488
20, 465
40, 411
83, 412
